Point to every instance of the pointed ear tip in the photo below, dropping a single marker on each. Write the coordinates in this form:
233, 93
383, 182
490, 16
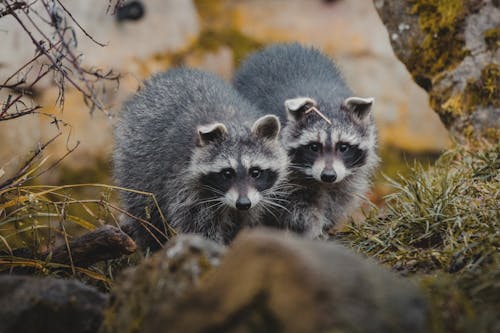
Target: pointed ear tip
268, 126
267, 118
205, 129
200, 129
294, 104
363, 99
273, 117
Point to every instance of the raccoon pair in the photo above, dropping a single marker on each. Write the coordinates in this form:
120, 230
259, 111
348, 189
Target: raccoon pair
193, 141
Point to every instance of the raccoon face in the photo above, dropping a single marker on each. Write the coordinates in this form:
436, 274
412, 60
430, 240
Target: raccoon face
239, 170
329, 150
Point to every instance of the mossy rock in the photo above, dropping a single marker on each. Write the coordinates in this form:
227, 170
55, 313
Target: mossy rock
451, 49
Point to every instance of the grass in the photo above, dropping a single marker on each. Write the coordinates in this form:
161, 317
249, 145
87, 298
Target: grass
34, 219
441, 226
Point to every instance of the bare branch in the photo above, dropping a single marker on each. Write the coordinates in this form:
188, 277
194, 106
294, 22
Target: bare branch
17, 178
104, 243
64, 63
10, 8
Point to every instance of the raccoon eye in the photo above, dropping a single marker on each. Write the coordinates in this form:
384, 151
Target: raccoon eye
227, 173
343, 147
315, 146
255, 172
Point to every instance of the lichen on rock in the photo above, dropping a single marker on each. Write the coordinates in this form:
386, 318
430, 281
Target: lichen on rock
451, 49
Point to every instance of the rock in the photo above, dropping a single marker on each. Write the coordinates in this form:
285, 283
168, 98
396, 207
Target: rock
274, 282
160, 279
451, 50
29, 304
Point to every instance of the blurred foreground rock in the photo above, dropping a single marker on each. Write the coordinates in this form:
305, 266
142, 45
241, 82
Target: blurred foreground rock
451, 48
267, 282
159, 280
29, 304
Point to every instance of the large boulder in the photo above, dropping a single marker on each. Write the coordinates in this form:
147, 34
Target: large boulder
159, 279
29, 304
451, 50
270, 281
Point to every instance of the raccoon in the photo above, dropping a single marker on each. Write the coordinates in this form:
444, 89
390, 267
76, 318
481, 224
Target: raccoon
330, 136
187, 138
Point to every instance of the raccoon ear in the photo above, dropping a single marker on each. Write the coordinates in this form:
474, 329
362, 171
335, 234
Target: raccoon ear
210, 132
296, 107
359, 106
267, 127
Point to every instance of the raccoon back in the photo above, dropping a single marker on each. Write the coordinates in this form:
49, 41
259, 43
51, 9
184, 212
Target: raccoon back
283, 71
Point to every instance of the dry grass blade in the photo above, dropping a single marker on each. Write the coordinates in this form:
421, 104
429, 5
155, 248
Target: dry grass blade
38, 218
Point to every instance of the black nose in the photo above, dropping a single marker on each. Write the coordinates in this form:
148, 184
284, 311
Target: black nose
328, 176
243, 203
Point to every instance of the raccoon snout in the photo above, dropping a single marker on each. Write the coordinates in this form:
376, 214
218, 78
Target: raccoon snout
329, 176
243, 203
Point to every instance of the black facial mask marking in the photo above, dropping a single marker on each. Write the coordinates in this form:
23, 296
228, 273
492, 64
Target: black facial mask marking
353, 156
266, 179
220, 182
216, 183
303, 156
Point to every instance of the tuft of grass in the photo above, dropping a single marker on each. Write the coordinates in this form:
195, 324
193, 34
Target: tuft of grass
444, 218
35, 219
442, 226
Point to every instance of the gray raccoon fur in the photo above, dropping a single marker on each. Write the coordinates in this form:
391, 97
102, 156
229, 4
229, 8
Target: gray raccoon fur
162, 147
283, 74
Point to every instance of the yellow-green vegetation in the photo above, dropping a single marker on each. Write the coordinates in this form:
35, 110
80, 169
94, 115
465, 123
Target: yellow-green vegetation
492, 38
240, 44
442, 225
397, 162
36, 219
218, 30
486, 90
443, 46
482, 92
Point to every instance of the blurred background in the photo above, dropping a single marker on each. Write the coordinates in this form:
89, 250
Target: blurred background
145, 37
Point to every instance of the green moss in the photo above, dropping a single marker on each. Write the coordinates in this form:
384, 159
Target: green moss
240, 44
443, 45
217, 31
485, 90
492, 38
482, 92
211, 40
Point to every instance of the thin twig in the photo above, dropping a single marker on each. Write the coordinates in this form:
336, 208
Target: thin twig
79, 26
12, 7
314, 109
12, 181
